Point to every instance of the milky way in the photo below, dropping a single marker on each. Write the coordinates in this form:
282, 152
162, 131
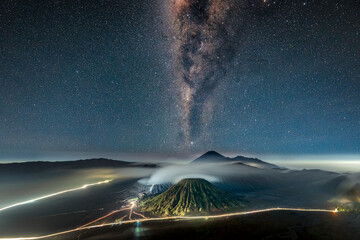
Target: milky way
84, 79
205, 31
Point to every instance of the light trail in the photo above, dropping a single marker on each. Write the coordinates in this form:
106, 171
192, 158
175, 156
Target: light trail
173, 218
54, 194
140, 215
107, 215
133, 204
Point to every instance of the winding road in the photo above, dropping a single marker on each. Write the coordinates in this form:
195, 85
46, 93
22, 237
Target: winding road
171, 218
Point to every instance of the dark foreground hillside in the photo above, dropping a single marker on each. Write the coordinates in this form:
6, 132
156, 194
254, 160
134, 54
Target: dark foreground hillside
270, 225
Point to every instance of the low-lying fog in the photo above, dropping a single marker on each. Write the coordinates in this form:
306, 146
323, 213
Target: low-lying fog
335, 163
259, 185
16, 188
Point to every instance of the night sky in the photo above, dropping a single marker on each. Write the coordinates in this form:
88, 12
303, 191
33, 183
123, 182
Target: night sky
102, 77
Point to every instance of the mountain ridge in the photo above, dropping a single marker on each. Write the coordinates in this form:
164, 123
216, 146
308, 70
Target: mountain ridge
38, 166
215, 157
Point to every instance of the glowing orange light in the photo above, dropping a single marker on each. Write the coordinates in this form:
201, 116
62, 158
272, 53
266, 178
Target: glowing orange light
96, 220
169, 218
140, 215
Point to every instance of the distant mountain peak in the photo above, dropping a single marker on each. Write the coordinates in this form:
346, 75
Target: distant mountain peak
215, 157
212, 154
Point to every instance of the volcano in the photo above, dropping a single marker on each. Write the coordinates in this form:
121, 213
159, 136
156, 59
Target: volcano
215, 157
190, 196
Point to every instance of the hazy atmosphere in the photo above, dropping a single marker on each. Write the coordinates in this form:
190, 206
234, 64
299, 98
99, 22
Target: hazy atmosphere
179, 119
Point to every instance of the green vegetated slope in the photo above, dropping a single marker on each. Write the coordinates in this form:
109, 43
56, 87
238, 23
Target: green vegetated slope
190, 196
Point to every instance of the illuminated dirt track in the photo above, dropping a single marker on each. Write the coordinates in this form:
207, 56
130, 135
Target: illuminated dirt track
172, 218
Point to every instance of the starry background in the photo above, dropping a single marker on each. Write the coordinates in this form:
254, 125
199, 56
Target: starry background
95, 77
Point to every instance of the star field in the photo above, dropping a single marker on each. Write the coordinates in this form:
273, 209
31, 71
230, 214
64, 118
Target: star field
98, 77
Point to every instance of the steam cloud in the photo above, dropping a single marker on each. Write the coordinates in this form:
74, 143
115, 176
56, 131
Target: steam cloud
211, 172
205, 30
